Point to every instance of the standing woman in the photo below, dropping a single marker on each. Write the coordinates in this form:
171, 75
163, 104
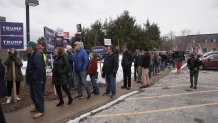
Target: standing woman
59, 76
13, 57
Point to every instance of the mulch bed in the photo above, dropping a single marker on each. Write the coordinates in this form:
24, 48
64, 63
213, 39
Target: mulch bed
25, 96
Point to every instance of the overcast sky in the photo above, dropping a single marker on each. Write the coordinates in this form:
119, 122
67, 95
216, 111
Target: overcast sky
170, 15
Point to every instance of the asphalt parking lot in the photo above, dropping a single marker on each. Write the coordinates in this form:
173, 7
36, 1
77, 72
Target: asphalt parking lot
168, 101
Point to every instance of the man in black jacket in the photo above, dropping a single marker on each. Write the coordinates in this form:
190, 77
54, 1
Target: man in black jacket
35, 74
193, 64
145, 67
126, 65
110, 68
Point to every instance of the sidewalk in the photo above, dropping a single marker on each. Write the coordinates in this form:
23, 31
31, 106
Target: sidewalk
55, 114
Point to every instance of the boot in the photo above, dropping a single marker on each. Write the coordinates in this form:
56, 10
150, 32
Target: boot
18, 98
60, 103
8, 100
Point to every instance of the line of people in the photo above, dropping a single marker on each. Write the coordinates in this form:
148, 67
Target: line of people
74, 64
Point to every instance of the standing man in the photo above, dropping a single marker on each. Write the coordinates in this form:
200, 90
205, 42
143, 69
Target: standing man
80, 67
126, 65
145, 67
35, 74
40, 48
136, 65
110, 68
193, 64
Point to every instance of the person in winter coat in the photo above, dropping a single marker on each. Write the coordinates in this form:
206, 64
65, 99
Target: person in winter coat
35, 74
126, 64
92, 71
145, 66
13, 57
59, 75
110, 68
69, 53
136, 64
2, 94
193, 64
178, 65
80, 68
40, 48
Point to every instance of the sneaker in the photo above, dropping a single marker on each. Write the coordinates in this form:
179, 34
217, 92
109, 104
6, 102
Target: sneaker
60, 104
191, 86
112, 96
195, 87
123, 87
8, 100
89, 96
79, 97
96, 93
144, 86
105, 94
70, 101
37, 115
33, 110
128, 88
18, 98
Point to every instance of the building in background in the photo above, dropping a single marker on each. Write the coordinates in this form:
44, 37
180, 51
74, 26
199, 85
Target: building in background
208, 42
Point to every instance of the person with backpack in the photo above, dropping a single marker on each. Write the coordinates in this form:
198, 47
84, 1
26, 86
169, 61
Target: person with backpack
59, 75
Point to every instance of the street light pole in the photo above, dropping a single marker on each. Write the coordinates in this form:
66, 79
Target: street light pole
29, 3
27, 24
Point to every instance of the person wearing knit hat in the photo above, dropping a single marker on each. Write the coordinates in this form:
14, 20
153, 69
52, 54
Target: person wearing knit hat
31, 44
35, 74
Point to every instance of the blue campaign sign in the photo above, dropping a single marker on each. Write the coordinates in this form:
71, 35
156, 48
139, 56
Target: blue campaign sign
11, 35
8, 42
98, 49
49, 35
11, 28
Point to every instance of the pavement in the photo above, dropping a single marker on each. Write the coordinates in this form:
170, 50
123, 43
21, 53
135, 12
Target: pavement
64, 113
170, 100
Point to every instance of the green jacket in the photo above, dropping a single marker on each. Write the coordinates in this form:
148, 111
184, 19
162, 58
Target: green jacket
9, 70
60, 70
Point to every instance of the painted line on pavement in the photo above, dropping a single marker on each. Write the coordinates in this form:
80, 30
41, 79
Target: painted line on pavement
171, 95
151, 111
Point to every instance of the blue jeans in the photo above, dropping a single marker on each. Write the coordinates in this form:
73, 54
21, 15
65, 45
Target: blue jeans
150, 70
111, 84
80, 78
94, 84
162, 67
36, 94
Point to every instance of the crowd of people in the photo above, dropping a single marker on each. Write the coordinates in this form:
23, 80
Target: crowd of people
71, 66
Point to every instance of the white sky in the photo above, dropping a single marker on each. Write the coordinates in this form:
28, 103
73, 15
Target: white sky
170, 15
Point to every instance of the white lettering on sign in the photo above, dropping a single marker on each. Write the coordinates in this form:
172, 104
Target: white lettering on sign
6, 42
9, 28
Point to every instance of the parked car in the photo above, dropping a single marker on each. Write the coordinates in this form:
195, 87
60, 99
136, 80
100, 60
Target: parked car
210, 62
209, 53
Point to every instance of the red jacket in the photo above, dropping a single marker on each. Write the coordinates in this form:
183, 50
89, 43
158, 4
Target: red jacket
92, 68
178, 65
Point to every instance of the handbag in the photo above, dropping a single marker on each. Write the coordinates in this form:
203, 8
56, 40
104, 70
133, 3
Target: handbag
3, 89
